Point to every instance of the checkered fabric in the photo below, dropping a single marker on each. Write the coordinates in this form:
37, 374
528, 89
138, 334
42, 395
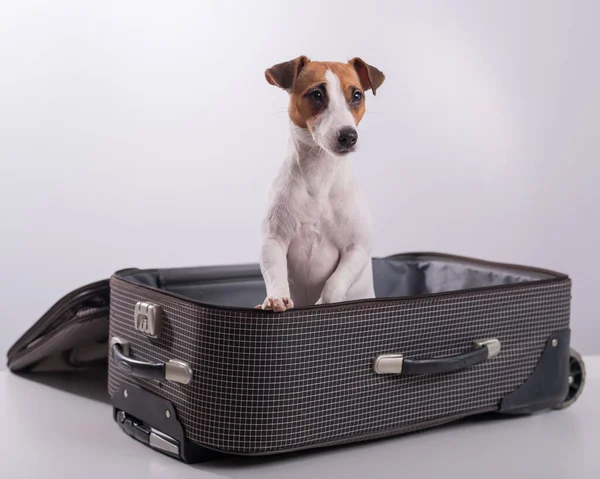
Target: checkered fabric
266, 383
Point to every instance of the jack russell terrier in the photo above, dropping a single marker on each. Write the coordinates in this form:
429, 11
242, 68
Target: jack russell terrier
317, 233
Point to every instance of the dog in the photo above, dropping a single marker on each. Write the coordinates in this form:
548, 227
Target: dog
316, 236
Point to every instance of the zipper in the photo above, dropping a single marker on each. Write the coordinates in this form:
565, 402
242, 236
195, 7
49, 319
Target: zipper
343, 305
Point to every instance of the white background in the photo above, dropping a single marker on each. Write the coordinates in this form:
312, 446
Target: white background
144, 134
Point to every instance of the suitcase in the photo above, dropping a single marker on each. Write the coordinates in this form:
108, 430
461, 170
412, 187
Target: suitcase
195, 371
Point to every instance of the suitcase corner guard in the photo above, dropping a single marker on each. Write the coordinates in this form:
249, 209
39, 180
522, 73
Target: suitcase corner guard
548, 384
153, 421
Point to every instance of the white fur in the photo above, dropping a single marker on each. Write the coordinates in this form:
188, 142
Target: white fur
336, 116
317, 234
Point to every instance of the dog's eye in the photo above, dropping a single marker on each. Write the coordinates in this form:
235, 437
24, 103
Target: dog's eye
356, 96
316, 95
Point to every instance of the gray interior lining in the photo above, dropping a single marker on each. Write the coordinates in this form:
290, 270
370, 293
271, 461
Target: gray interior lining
396, 276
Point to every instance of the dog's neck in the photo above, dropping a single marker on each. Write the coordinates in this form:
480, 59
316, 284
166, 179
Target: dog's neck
315, 165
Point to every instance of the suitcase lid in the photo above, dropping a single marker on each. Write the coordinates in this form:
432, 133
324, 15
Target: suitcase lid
70, 335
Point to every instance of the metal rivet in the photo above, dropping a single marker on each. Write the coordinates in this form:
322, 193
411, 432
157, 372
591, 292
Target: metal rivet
168, 413
125, 393
554, 343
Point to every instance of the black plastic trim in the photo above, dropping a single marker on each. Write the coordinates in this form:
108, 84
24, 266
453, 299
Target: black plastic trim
144, 410
548, 385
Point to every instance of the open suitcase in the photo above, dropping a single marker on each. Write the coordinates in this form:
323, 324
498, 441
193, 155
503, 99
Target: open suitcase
194, 370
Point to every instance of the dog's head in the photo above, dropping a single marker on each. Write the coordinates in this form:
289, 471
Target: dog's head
327, 98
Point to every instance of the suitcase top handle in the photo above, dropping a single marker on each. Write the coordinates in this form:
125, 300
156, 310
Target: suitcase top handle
482, 350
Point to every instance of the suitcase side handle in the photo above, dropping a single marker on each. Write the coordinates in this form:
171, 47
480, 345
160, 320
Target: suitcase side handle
173, 370
482, 350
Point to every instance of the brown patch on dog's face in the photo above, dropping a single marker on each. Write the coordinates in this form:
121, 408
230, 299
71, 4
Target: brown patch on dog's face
310, 96
327, 98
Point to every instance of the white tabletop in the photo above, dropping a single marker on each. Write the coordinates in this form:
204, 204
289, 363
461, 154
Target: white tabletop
54, 427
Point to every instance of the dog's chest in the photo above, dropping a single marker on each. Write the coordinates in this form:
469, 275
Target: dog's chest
318, 221
314, 250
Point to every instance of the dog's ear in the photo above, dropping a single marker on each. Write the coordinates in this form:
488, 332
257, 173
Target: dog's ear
370, 77
284, 74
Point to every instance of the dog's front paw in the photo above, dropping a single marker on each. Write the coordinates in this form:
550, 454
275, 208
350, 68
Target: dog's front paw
276, 304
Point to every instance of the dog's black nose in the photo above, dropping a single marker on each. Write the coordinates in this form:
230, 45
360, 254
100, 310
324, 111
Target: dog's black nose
347, 137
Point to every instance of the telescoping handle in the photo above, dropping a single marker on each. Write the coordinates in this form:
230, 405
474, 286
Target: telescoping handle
482, 350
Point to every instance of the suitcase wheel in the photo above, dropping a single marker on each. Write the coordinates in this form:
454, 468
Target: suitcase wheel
576, 379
